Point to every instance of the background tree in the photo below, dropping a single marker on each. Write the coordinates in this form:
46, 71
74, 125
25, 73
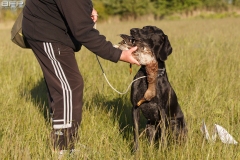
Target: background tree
126, 9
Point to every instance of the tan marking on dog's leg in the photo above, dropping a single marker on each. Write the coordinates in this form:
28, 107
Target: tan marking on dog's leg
141, 101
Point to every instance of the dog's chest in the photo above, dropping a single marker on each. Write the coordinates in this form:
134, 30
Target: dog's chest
150, 111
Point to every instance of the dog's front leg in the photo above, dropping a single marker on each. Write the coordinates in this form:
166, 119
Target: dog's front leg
135, 116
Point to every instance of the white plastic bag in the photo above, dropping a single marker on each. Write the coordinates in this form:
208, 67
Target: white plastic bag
223, 134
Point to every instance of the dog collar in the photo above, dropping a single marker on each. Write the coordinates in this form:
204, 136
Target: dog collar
161, 72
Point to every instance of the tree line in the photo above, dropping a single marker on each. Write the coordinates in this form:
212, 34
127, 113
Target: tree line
159, 8
134, 9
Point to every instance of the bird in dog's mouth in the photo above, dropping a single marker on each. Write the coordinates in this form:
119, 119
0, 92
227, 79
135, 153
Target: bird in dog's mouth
146, 58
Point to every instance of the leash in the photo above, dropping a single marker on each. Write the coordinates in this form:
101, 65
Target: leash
163, 70
159, 75
110, 83
95, 27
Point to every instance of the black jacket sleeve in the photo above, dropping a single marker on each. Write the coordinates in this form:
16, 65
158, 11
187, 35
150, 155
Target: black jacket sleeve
77, 14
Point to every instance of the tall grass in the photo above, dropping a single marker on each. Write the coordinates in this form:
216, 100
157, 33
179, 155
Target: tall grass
203, 70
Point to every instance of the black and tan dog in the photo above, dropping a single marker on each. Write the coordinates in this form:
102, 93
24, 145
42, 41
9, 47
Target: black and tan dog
154, 95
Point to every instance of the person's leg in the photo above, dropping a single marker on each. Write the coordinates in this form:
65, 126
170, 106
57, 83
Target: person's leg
65, 87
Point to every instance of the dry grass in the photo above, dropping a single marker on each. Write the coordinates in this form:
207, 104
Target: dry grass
203, 69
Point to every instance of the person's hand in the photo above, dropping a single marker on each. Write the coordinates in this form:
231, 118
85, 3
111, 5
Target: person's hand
126, 56
94, 15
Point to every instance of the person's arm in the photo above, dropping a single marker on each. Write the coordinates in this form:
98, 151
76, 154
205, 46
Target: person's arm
126, 56
78, 16
77, 13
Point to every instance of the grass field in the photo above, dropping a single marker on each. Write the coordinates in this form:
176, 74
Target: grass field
203, 70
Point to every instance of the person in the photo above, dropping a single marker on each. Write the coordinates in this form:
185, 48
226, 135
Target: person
55, 30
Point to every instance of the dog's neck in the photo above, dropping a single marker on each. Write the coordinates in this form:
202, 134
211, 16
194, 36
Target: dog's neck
161, 65
161, 72
161, 69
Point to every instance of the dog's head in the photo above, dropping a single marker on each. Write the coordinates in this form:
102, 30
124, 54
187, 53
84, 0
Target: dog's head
156, 40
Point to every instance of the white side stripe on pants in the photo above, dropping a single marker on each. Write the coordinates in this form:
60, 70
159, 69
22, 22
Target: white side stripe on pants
67, 92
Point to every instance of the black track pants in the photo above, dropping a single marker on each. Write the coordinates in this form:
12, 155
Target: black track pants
65, 90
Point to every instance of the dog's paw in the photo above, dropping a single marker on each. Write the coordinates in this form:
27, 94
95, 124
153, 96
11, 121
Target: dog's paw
149, 94
141, 101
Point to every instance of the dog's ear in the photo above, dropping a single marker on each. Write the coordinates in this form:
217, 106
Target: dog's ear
163, 49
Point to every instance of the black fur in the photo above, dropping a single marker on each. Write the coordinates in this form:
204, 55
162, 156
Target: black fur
163, 113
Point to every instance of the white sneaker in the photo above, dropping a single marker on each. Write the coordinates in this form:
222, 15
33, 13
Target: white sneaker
61, 153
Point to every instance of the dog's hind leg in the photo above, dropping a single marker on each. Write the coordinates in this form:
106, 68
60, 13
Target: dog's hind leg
151, 132
136, 117
178, 127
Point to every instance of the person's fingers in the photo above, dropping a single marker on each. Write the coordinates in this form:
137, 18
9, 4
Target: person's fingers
133, 49
126, 56
94, 18
134, 61
94, 15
